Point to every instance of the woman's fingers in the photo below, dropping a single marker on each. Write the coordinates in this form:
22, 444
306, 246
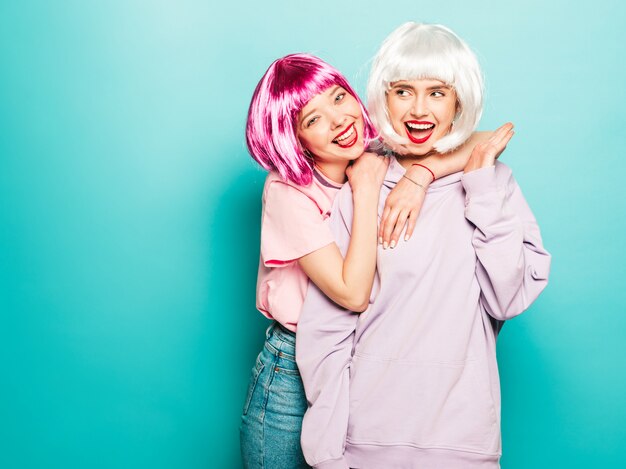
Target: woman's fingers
499, 146
501, 132
496, 144
506, 139
485, 153
383, 221
388, 226
397, 230
410, 224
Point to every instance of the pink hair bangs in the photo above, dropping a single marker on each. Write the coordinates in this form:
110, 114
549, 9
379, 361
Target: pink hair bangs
287, 86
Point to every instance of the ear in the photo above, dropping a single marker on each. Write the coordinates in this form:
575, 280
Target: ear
457, 112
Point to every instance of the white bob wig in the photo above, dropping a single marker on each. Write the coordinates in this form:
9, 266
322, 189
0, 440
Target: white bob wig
417, 51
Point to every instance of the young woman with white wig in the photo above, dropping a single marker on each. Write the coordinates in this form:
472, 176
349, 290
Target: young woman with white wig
412, 382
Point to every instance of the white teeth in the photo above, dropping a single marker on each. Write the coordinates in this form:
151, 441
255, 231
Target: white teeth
420, 126
346, 135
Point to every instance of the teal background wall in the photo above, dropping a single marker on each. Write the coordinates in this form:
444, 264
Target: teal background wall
129, 219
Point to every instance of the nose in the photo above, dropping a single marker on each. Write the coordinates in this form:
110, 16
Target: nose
420, 108
338, 118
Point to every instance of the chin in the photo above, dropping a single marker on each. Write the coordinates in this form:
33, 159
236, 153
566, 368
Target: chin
412, 149
421, 149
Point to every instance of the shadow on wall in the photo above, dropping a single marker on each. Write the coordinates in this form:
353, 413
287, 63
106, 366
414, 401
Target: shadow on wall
234, 253
532, 389
238, 329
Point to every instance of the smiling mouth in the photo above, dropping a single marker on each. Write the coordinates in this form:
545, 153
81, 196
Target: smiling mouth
419, 131
348, 137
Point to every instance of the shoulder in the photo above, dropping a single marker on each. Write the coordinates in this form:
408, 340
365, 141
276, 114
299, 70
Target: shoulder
505, 179
275, 185
343, 206
286, 199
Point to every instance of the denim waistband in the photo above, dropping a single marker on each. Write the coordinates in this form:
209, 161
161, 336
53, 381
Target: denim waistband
281, 339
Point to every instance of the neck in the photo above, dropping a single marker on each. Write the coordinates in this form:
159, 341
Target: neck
336, 172
407, 160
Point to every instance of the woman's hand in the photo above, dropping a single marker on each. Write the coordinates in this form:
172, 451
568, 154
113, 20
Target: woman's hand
403, 205
367, 173
405, 201
485, 153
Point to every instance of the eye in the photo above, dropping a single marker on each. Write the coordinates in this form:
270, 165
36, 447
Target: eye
438, 94
402, 92
311, 121
340, 97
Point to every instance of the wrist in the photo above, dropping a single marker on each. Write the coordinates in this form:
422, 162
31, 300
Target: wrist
365, 191
421, 174
480, 181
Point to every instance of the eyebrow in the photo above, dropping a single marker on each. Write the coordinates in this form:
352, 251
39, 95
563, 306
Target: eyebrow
313, 111
404, 84
438, 87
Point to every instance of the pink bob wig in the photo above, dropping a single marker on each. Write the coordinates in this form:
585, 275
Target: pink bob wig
287, 86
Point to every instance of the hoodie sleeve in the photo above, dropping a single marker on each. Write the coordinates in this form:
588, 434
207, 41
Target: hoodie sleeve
513, 266
324, 343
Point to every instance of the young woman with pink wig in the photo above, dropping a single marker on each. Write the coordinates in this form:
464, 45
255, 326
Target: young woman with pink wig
309, 129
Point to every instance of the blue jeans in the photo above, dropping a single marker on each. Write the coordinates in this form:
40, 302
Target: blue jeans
272, 414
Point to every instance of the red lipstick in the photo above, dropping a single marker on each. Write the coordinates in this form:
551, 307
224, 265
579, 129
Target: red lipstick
349, 141
421, 139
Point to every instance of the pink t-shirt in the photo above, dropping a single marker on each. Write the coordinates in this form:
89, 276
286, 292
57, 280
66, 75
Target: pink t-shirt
294, 224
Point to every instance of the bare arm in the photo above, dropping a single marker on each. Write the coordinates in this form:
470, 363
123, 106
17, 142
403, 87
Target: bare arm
348, 282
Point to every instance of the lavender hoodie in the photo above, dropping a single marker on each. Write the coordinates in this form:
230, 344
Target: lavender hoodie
413, 381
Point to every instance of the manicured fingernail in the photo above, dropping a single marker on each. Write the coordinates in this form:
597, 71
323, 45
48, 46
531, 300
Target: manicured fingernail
406, 237
393, 244
380, 240
385, 245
